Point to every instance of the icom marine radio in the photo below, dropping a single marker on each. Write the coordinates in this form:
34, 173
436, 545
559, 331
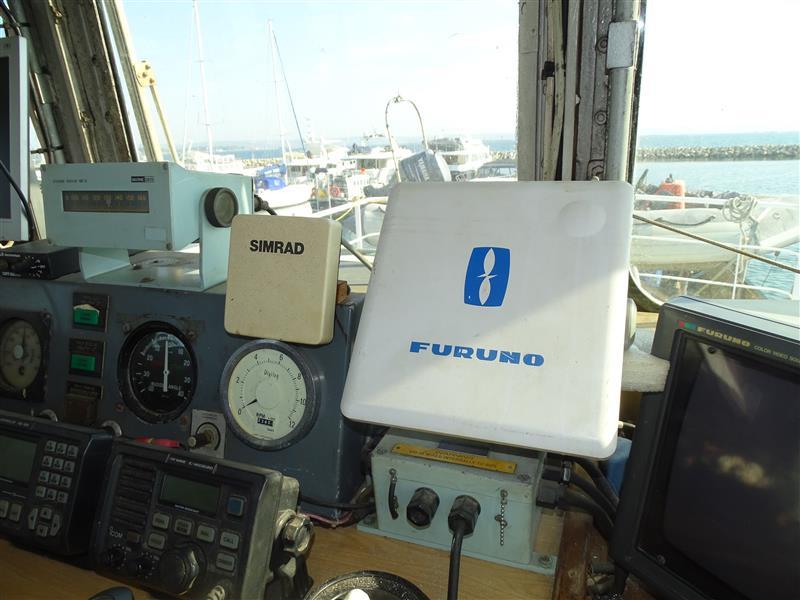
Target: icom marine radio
198, 527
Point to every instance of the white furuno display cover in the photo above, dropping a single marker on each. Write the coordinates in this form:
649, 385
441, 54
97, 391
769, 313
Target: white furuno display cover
496, 312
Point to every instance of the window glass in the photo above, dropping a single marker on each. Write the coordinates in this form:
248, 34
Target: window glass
304, 112
718, 149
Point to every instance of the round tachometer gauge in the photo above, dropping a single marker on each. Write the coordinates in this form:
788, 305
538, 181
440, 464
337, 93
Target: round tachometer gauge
269, 394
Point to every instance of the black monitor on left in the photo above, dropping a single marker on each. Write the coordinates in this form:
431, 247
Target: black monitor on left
13, 136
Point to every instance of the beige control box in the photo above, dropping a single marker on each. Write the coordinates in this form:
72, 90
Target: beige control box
282, 275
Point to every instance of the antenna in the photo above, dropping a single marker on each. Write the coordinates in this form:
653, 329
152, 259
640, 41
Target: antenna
202, 62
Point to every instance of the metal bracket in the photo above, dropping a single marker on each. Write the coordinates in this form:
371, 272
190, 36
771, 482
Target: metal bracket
621, 45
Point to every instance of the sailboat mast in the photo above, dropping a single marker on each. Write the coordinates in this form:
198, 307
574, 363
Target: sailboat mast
277, 91
201, 59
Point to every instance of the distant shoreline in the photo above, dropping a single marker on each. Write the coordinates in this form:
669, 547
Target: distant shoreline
748, 152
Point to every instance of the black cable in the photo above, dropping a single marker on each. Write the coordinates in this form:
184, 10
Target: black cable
338, 505
601, 520
455, 560
599, 479
32, 228
595, 494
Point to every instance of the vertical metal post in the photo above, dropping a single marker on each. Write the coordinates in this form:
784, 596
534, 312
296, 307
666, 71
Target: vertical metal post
620, 104
528, 90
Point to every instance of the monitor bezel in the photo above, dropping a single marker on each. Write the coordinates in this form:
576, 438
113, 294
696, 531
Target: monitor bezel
648, 468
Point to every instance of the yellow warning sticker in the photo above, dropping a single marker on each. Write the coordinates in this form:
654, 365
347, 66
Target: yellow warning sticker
457, 458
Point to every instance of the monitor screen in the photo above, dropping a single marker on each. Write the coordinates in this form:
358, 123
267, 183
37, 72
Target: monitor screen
18, 456
723, 512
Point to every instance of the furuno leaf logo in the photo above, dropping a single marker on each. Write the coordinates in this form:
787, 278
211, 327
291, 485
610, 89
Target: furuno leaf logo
487, 276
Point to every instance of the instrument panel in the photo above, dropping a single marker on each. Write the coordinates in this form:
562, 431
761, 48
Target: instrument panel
158, 363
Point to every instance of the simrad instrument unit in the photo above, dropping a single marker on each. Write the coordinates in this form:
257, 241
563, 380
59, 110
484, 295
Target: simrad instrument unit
178, 524
48, 482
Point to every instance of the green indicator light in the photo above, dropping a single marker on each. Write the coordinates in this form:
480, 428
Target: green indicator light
82, 362
85, 316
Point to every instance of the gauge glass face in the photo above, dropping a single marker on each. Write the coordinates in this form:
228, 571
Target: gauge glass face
268, 396
20, 354
161, 372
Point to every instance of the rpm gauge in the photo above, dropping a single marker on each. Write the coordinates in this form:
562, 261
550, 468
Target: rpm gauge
157, 373
20, 355
269, 394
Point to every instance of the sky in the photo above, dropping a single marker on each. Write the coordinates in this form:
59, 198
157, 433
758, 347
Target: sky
343, 62
710, 66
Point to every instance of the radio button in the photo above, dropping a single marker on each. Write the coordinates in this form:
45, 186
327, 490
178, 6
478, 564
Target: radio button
55, 478
15, 512
72, 451
228, 539
42, 530
133, 537
34, 512
55, 525
236, 506
206, 533
3, 508
69, 466
161, 521
58, 464
226, 562
44, 476
41, 491
66, 481
62, 497
183, 526
47, 461
46, 513
61, 448
50, 446
51, 494
157, 541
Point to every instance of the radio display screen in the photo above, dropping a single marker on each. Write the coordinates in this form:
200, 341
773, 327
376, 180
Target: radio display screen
18, 457
192, 494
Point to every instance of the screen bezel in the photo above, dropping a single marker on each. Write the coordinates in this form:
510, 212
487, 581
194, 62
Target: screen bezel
643, 494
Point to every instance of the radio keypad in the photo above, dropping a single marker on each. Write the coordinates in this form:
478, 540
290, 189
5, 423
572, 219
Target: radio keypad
183, 526
51, 477
3, 509
225, 561
228, 539
206, 533
32, 518
161, 521
15, 512
157, 541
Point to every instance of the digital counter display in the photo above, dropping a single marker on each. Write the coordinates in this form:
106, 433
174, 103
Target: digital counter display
18, 457
191, 494
106, 201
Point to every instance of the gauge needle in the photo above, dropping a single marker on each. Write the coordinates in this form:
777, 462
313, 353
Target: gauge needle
251, 402
165, 383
